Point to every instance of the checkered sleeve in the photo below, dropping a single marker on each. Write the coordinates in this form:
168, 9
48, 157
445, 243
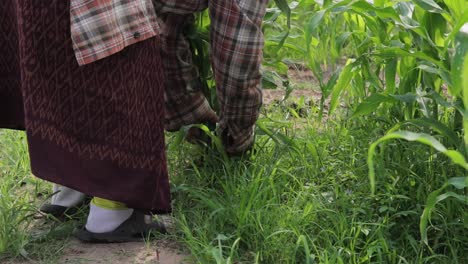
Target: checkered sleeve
184, 99
102, 28
237, 43
236, 55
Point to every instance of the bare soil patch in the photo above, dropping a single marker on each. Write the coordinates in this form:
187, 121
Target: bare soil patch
272, 96
135, 252
155, 252
304, 83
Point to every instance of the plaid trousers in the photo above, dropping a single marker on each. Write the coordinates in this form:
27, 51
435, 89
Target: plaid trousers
236, 55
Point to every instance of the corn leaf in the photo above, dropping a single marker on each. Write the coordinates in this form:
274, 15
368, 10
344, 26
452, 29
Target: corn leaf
426, 139
341, 84
436, 197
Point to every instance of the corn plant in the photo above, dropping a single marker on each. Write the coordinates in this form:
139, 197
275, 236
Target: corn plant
406, 59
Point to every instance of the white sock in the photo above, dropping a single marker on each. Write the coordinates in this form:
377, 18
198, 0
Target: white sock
102, 220
65, 196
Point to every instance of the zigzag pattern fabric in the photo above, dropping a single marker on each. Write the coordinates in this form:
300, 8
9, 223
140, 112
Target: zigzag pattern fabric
98, 128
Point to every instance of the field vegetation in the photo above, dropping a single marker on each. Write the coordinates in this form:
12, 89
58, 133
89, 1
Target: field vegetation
372, 170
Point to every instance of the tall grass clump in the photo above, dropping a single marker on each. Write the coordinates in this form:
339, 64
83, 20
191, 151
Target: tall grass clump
15, 209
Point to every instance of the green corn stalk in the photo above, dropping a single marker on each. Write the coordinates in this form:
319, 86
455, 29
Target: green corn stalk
199, 39
460, 73
198, 35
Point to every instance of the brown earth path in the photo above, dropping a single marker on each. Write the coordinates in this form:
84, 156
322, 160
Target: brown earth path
76, 252
125, 253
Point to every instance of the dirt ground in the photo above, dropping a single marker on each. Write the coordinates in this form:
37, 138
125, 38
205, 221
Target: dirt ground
156, 252
126, 253
270, 96
300, 77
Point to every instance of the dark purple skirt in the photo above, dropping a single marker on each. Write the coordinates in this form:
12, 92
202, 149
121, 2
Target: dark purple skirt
98, 128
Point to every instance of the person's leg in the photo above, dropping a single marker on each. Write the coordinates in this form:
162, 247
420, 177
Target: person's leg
184, 100
236, 46
110, 221
66, 197
98, 128
106, 215
64, 201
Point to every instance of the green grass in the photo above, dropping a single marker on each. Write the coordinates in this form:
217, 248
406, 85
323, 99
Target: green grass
311, 202
304, 198
24, 233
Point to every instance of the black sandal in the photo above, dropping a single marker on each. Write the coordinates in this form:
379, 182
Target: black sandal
58, 211
133, 229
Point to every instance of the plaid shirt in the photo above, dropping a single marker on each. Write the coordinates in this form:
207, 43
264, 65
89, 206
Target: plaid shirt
102, 28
